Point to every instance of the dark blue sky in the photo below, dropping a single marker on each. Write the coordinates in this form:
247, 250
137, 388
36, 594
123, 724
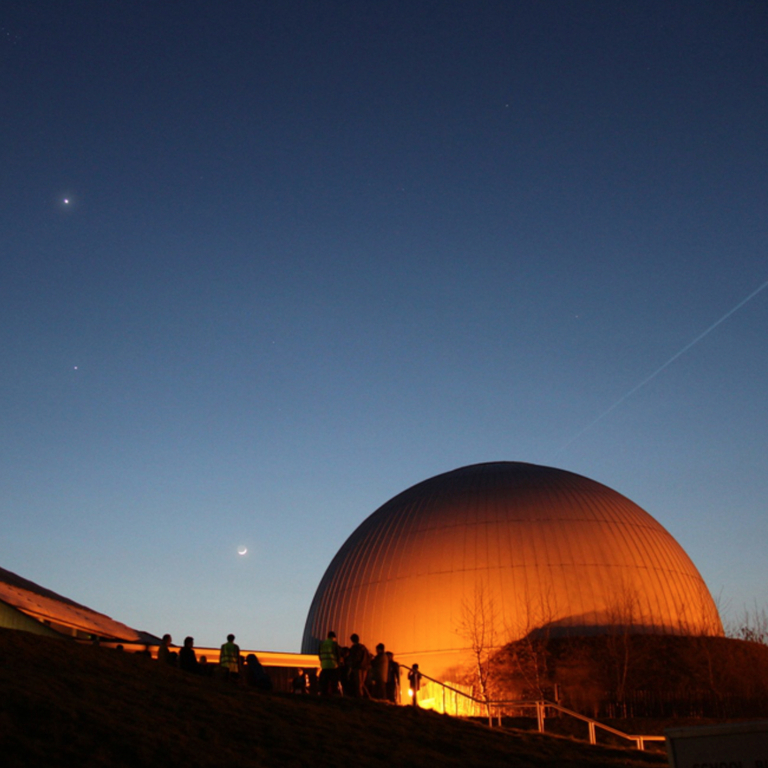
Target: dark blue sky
265, 265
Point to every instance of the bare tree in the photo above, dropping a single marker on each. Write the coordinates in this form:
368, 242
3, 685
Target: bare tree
623, 614
479, 625
752, 626
700, 633
529, 655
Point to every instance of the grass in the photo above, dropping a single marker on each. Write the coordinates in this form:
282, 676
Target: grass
64, 704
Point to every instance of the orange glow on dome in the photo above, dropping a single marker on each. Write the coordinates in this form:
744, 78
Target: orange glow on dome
547, 547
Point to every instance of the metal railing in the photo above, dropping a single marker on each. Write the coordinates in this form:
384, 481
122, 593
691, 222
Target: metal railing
494, 710
593, 725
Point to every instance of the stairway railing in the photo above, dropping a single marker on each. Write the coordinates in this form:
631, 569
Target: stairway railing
494, 709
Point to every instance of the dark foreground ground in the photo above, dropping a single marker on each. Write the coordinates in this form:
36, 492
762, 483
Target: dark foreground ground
63, 704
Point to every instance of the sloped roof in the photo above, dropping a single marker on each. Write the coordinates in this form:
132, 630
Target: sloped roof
47, 606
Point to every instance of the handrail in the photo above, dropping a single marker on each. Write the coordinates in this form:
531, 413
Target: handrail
592, 723
541, 705
446, 686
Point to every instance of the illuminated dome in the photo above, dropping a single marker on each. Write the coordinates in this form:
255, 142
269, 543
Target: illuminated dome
542, 548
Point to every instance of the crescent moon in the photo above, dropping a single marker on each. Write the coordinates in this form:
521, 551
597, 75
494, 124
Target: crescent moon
242, 550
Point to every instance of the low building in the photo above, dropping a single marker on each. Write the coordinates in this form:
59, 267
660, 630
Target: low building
28, 606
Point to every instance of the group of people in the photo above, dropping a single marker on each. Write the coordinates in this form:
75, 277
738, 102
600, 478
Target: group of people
354, 671
231, 665
349, 670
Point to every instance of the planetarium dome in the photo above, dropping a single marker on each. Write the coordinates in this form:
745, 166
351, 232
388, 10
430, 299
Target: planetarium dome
545, 548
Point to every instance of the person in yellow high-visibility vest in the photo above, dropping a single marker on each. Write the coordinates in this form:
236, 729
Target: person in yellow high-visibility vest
229, 658
329, 665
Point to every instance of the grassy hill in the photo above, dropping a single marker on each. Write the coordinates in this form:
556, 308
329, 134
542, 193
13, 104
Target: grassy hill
64, 704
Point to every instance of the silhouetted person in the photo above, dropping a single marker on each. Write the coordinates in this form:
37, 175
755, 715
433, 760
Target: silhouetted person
229, 658
204, 668
380, 672
164, 650
358, 662
414, 681
314, 681
344, 673
329, 665
393, 680
187, 657
255, 674
146, 652
300, 683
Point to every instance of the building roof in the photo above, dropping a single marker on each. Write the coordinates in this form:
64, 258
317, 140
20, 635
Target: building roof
60, 613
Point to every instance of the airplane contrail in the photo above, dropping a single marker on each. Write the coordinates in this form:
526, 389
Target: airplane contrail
662, 367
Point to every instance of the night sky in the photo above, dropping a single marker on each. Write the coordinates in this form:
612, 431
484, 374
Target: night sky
264, 265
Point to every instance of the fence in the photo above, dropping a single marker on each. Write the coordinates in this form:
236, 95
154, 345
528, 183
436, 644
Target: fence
451, 700
683, 703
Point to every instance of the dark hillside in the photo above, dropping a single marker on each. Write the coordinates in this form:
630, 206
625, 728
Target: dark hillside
646, 676
64, 704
